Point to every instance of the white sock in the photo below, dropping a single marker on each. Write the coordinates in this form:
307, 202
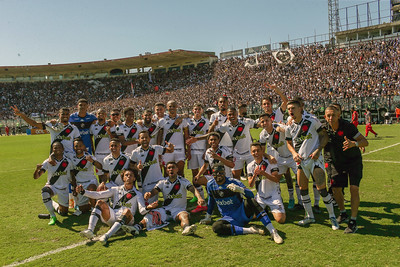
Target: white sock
290, 191
48, 203
307, 205
114, 228
317, 196
94, 218
329, 206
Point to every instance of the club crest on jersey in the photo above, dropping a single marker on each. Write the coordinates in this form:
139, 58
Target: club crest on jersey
67, 131
151, 152
221, 193
304, 128
276, 136
340, 133
82, 125
64, 164
121, 162
133, 130
129, 196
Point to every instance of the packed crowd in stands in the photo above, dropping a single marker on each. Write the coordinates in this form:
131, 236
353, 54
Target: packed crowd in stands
368, 69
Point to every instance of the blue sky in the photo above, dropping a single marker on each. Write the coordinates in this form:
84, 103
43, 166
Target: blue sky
36, 32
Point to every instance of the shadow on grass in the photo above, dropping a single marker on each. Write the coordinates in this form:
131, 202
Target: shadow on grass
70, 222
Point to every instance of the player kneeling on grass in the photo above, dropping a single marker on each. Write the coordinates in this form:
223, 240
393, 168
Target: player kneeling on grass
236, 211
265, 176
174, 189
126, 201
58, 179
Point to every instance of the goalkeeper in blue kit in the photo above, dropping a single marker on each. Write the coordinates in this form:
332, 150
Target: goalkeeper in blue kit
236, 211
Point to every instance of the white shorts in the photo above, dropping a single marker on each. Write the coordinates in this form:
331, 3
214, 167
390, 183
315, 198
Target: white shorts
241, 159
62, 194
285, 163
114, 215
308, 165
272, 152
156, 219
195, 162
274, 202
82, 200
176, 156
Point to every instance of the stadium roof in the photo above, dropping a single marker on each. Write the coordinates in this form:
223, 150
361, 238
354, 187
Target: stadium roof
158, 60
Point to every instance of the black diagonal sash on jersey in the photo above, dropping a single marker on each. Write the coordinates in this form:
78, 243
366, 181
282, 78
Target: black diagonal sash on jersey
125, 198
237, 133
60, 168
173, 191
302, 133
199, 126
131, 133
118, 167
100, 133
219, 153
64, 133
151, 129
149, 157
80, 165
275, 138
263, 164
169, 134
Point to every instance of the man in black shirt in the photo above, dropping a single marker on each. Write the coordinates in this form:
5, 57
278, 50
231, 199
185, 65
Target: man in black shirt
344, 162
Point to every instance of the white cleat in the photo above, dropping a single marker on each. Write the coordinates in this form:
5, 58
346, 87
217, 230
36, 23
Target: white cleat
87, 233
130, 229
276, 237
189, 230
103, 239
334, 222
257, 230
306, 221
77, 213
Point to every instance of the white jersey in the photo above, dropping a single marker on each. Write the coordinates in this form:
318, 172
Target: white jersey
239, 135
59, 175
151, 172
153, 130
115, 166
265, 187
173, 133
131, 133
276, 140
174, 193
221, 118
223, 152
84, 169
121, 198
101, 139
198, 128
304, 135
64, 134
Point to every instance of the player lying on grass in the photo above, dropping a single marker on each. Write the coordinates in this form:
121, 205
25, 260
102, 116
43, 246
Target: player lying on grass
227, 193
58, 179
126, 201
174, 189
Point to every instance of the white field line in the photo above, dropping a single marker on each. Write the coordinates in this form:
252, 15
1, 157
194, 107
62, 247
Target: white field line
379, 149
17, 170
381, 161
33, 258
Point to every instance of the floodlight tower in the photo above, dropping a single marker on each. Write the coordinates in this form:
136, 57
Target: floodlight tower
334, 21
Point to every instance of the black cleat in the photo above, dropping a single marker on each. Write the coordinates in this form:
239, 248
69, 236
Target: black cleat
343, 217
351, 228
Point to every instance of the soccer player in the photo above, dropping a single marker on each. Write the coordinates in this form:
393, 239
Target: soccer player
236, 212
344, 163
219, 118
126, 200
273, 134
305, 140
83, 171
113, 166
354, 117
58, 179
128, 132
368, 123
101, 134
198, 126
82, 120
61, 131
150, 126
242, 110
266, 104
174, 130
115, 121
265, 177
174, 189
159, 111
145, 159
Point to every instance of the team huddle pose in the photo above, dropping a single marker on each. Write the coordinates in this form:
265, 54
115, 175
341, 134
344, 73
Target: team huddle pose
117, 168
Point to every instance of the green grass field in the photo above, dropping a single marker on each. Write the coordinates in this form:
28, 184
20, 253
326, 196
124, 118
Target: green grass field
376, 243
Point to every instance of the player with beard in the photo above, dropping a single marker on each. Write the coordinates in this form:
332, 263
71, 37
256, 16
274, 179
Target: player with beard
101, 134
126, 201
305, 140
128, 132
174, 189
83, 171
113, 166
83, 120
174, 130
228, 194
219, 118
343, 157
58, 179
115, 121
145, 159
61, 131
148, 125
